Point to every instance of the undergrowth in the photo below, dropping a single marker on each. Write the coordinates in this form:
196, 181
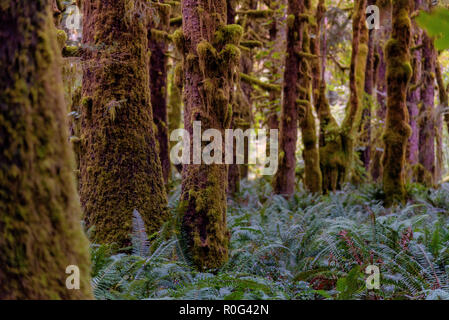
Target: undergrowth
308, 247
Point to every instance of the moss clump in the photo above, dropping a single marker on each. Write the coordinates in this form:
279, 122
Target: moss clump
160, 35
207, 57
228, 34
230, 55
179, 40
61, 37
71, 51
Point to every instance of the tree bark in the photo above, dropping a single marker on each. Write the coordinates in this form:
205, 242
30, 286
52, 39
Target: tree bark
331, 163
442, 115
442, 91
353, 116
237, 117
427, 115
284, 179
383, 34
120, 167
397, 130
365, 139
40, 213
158, 84
211, 60
311, 155
414, 93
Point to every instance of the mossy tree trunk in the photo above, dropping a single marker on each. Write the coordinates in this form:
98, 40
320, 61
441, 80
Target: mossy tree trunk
119, 165
284, 179
368, 99
40, 215
317, 65
158, 83
442, 92
337, 143
414, 93
238, 107
246, 67
210, 65
175, 102
311, 156
175, 82
376, 171
331, 163
427, 115
441, 116
397, 130
354, 111
277, 36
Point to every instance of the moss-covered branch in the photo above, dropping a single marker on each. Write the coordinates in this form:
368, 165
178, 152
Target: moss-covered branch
176, 22
263, 85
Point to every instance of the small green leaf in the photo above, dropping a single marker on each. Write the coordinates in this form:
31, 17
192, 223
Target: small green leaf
436, 23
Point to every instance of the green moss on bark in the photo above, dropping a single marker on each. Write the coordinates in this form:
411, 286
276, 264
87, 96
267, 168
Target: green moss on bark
119, 164
397, 129
40, 215
210, 65
311, 155
354, 111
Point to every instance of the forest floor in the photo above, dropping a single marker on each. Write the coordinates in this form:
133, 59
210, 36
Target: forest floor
309, 247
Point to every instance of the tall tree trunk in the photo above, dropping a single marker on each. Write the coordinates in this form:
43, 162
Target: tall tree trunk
120, 167
246, 66
40, 214
331, 163
414, 92
158, 83
442, 110
439, 156
383, 34
337, 144
237, 106
353, 116
427, 115
442, 92
277, 38
211, 60
311, 155
315, 49
397, 130
365, 139
284, 180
